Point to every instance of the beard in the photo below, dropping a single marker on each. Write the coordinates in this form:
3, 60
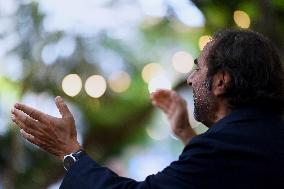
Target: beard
204, 104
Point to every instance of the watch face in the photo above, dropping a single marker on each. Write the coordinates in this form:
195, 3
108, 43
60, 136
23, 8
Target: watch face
68, 162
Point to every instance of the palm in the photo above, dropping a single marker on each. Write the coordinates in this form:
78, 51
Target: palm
174, 106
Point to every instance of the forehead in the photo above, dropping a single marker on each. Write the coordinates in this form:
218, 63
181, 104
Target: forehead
204, 53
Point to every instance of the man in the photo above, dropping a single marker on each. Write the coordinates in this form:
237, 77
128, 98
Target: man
238, 91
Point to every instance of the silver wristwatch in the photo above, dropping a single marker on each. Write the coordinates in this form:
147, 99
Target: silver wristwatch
70, 159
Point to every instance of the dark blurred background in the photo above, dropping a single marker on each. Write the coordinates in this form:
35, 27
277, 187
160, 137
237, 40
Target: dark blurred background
104, 57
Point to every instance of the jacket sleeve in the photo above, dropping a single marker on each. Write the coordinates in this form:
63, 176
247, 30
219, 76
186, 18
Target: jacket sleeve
87, 174
185, 173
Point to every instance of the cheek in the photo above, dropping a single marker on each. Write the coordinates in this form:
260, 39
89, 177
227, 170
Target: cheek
198, 81
195, 79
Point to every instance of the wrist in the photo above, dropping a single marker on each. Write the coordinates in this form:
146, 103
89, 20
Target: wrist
187, 135
75, 147
71, 159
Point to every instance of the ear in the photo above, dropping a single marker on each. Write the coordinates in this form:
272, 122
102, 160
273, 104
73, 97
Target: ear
220, 83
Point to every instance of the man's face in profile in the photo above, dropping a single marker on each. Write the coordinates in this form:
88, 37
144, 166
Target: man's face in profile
204, 101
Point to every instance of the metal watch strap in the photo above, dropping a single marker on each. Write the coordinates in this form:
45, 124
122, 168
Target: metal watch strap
70, 159
77, 155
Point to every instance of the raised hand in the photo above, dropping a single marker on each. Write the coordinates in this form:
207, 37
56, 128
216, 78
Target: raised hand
174, 106
57, 136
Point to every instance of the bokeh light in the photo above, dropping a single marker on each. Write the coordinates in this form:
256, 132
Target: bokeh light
182, 62
158, 132
61, 49
119, 81
95, 86
187, 13
151, 70
159, 82
242, 19
203, 40
153, 8
72, 84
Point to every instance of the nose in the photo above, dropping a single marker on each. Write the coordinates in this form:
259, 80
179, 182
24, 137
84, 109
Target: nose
189, 78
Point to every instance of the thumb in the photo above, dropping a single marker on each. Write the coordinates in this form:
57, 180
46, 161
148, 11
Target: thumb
62, 107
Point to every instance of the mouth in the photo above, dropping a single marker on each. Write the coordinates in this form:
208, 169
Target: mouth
194, 96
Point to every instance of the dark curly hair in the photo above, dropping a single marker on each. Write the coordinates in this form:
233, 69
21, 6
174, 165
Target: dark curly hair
257, 76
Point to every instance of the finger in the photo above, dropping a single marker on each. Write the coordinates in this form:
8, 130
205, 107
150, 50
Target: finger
17, 122
162, 103
161, 106
39, 141
177, 99
62, 107
161, 93
25, 122
27, 135
36, 114
22, 131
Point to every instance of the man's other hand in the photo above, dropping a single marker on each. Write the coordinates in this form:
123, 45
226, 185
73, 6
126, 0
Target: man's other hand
174, 106
57, 136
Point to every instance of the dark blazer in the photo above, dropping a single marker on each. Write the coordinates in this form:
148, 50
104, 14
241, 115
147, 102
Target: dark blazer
244, 150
